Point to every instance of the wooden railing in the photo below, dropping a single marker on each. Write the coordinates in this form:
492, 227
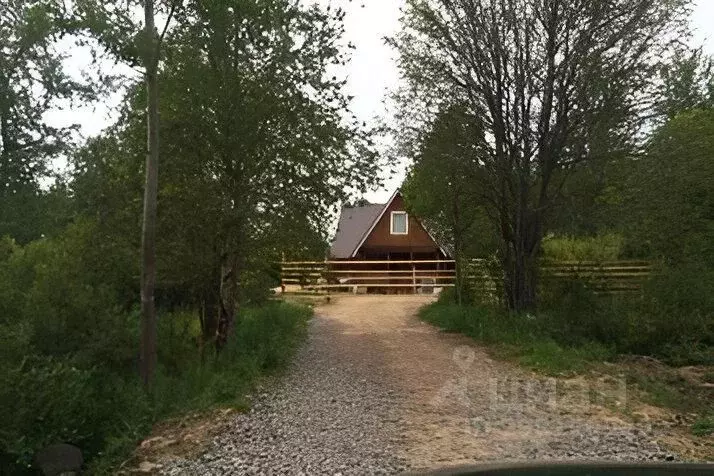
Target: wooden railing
607, 276
430, 275
424, 275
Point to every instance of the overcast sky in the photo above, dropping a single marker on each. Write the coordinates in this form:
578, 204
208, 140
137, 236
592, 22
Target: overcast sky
372, 72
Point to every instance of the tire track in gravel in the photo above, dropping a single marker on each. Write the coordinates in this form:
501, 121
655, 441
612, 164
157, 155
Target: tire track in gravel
376, 391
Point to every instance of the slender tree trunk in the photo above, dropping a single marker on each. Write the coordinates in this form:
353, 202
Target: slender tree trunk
459, 265
148, 232
209, 321
227, 308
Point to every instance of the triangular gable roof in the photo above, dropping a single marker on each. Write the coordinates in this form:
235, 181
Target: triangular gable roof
350, 229
360, 222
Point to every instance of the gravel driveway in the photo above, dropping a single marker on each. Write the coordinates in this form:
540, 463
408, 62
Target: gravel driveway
376, 391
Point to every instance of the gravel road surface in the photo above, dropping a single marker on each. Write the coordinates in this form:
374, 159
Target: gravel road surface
376, 391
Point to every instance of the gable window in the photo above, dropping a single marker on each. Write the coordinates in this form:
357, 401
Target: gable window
399, 224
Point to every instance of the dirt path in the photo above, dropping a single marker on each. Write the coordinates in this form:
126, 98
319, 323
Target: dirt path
376, 391
459, 406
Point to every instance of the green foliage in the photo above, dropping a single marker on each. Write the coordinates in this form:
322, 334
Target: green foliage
267, 334
676, 318
603, 247
68, 352
45, 401
704, 426
32, 82
443, 185
575, 315
672, 192
253, 164
525, 337
673, 319
688, 83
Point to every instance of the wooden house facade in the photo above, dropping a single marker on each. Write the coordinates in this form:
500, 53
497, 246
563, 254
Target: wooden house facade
391, 243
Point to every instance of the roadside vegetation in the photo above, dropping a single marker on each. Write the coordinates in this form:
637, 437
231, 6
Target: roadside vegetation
256, 151
68, 370
568, 146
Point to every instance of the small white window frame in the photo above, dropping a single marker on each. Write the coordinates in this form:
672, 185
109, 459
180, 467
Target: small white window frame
391, 223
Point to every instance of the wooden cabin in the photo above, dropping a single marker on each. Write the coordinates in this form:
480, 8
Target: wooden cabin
389, 241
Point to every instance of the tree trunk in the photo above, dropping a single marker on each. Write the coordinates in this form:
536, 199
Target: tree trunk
460, 267
228, 293
520, 263
520, 280
459, 264
148, 231
209, 321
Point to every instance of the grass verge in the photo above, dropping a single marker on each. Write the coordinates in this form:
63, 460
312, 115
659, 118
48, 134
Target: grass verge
536, 342
264, 340
516, 337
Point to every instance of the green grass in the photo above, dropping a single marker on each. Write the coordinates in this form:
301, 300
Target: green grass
523, 338
265, 338
102, 407
704, 426
554, 342
552, 359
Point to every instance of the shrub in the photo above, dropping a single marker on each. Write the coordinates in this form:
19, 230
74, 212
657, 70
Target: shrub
676, 318
574, 314
44, 401
704, 426
69, 353
672, 319
604, 247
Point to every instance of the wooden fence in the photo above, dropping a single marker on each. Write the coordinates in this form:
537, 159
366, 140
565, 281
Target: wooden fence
605, 277
415, 276
431, 275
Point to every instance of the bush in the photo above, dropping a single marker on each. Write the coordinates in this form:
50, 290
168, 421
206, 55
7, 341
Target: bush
574, 314
69, 353
672, 319
675, 320
604, 247
44, 401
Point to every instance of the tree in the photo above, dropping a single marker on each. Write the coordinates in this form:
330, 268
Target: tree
32, 82
443, 187
671, 191
255, 118
687, 83
256, 152
554, 84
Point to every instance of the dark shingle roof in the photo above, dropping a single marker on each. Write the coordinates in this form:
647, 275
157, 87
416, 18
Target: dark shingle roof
354, 223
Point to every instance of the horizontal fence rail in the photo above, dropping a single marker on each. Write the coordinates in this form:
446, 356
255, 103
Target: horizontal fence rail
422, 276
430, 276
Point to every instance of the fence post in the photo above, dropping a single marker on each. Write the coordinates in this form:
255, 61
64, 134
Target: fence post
282, 276
414, 277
